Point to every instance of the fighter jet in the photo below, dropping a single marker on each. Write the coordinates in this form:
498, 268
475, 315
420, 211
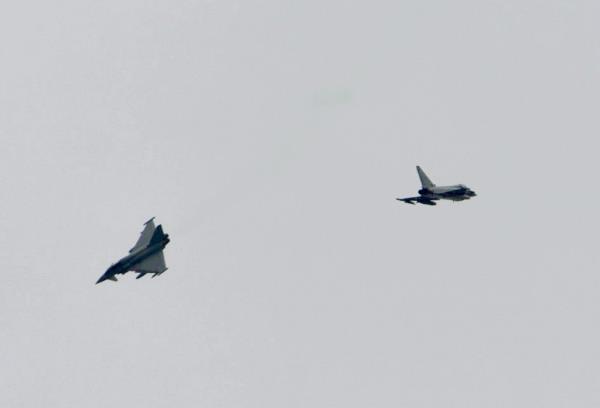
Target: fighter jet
145, 257
430, 193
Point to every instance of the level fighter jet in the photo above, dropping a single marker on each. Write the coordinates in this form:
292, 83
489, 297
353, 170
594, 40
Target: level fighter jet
430, 193
145, 257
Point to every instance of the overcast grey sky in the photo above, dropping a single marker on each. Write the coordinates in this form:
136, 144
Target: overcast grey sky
270, 138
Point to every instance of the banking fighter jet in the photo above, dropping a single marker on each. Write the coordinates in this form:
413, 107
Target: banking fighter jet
145, 257
430, 193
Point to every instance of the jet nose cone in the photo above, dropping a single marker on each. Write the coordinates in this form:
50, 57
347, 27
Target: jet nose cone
102, 278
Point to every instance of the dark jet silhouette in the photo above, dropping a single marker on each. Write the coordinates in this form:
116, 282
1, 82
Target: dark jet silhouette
430, 193
145, 257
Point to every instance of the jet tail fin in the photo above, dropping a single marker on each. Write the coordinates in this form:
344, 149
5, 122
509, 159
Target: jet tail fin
158, 236
425, 182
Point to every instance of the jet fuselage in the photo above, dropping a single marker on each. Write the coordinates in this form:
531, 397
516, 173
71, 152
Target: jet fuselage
459, 192
126, 263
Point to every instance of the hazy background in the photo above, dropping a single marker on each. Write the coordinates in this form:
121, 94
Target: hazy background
271, 139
